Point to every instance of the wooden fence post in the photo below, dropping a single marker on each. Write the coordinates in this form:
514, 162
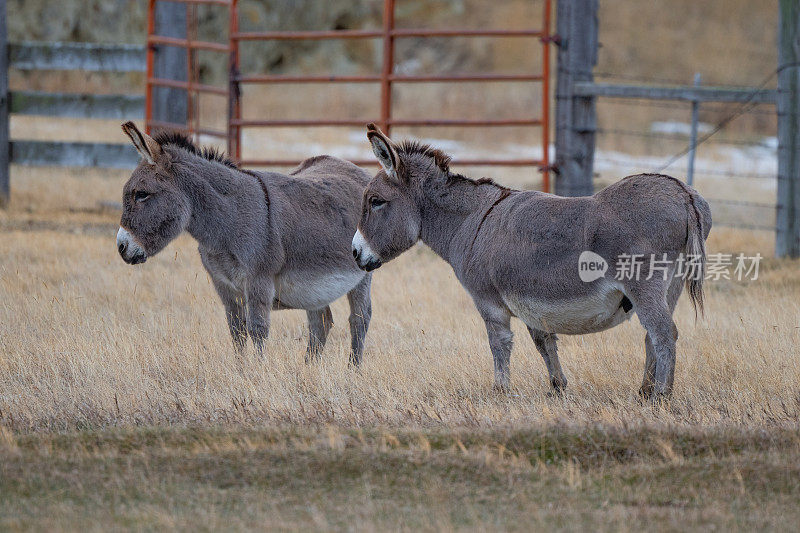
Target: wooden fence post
575, 115
169, 62
787, 234
5, 145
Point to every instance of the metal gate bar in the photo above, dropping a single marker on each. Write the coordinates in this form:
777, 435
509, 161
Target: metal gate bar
192, 87
386, 78
280, 78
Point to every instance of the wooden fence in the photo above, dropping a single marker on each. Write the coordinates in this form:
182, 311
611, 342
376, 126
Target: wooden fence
576, 95
75, 56
66, 56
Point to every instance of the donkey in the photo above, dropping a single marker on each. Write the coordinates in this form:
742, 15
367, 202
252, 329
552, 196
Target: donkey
517, 252
268, 240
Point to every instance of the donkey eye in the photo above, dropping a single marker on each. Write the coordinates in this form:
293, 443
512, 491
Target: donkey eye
375, 203
141, 196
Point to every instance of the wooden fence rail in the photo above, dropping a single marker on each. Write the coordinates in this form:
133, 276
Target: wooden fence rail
88, 57
685, 94
108, 106
72, 154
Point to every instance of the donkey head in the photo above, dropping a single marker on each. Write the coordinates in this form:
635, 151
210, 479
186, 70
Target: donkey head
154, 209
390, 211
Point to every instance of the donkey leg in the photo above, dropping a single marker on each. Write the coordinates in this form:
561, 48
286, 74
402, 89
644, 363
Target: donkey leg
237, 325
648, 382
360, 302
650, 303
546, 344
235, 314
260, 294
649, 379
320, 322
501, 340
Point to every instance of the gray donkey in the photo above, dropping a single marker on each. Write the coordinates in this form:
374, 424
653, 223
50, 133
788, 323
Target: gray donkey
268, 240
517, 252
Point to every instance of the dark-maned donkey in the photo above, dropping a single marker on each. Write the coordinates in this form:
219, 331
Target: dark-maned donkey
517, 252
268, 240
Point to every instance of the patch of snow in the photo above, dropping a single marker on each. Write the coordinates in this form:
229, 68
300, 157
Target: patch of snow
678, 128
770, 142
408, 67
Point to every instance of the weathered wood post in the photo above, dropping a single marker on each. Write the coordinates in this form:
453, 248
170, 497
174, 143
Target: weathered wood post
5, 146
169, 62
575, 115
787, 235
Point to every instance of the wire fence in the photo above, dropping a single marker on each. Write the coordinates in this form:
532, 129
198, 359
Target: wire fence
736, 163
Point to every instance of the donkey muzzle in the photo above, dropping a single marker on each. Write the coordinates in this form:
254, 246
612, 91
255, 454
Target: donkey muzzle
365, 258
131, 252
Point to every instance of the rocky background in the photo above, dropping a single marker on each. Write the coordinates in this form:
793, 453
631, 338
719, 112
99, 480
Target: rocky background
124, 21
731, 42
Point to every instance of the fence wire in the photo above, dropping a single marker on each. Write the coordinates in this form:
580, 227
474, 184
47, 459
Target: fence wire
672, 137
737, 211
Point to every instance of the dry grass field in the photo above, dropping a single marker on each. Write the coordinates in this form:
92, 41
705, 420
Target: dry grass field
123, 405
122, 402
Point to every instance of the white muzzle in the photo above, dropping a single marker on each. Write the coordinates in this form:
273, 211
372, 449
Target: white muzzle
130, 250
366, 258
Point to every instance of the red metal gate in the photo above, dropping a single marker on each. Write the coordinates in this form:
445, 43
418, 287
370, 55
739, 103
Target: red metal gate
192, 87
387, 77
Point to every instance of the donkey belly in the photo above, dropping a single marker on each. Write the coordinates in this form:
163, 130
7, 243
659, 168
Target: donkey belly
589, 313
312, 290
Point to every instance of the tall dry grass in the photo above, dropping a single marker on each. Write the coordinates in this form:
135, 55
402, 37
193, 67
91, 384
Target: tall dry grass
86, 340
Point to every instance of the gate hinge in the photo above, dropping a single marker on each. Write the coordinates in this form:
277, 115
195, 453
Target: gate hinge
554, 38
552, 167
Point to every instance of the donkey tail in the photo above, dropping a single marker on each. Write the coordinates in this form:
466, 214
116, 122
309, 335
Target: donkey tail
695, 253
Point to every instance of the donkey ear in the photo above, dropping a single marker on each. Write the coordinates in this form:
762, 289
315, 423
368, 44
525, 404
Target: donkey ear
147, 147
384, 150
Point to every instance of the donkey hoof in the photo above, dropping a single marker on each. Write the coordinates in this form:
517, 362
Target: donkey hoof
651, 396
500, 388
559, 385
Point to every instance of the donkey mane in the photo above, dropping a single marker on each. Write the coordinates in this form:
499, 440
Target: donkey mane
410, 147
480, 181
176, 138
442, 160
